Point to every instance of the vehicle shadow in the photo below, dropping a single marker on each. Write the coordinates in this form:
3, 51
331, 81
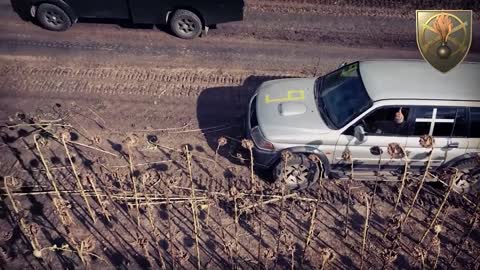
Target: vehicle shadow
227, 107
123, 23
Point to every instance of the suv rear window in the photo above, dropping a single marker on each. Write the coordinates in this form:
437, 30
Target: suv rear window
441, 121
461, 124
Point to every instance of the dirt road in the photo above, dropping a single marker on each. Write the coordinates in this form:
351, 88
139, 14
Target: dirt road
158, 77
110, 62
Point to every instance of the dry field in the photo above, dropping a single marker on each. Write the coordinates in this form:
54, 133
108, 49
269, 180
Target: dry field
77, 193
121, 147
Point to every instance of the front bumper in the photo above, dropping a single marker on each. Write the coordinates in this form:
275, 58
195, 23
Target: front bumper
262, 159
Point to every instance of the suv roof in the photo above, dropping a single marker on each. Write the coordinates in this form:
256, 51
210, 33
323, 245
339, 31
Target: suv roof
413, 79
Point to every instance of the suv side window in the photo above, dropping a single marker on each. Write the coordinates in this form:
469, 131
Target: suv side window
386, 121
475, 122
461, 123
440, 121
423, 120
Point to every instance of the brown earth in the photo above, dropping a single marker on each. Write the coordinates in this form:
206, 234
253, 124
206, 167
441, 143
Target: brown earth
106, 84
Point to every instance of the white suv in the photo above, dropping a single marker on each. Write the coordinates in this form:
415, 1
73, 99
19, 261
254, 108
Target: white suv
361, 108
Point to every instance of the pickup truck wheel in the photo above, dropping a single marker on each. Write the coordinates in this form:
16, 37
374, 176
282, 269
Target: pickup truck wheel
186, 24
298, 173
53, 18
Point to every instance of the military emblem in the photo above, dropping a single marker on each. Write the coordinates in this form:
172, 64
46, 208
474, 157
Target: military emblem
444, 36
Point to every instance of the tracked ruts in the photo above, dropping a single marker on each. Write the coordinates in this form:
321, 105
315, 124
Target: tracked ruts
176, 82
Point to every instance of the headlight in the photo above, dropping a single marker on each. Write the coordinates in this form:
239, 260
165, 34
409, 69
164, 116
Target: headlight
260, 141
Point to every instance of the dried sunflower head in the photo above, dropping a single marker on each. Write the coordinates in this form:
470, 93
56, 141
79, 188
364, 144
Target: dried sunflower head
436, 242
395, 150
426, 141
268, 254
327, 254
364, 197
222, 141
347, 155
290, 243
37, 253
13, 182
183, 256
228, 246
34, 228
88, 244
286, 155
96, 139
248, 144
257, 186
314, 158
233, 191
131, 140
390, 255
6, 235
419, 252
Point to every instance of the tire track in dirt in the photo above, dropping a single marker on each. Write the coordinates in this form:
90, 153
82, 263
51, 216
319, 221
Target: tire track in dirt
239, 53
322, 36
261, 29
65, 45
327, 9
178, 82
162, 75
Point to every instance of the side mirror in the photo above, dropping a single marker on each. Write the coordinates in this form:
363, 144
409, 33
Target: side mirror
359, 133
343, 64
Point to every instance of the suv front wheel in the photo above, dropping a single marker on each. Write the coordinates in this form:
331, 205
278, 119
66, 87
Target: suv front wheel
299, 172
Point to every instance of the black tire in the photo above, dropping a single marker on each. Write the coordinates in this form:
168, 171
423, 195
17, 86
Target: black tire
469, 182
186, 24
301, 172
53, 18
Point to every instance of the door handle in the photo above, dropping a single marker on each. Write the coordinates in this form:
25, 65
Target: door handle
453, 145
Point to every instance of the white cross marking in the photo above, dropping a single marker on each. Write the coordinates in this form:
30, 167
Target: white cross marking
433, 120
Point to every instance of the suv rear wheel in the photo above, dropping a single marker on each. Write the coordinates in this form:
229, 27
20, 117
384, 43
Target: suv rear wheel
469, 182
186, 24
298, 173
53, 18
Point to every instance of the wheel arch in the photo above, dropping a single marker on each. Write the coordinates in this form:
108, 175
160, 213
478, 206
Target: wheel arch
455, 161
307, 150
60, 3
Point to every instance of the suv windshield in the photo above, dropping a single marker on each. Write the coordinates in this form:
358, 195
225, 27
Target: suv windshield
342, 96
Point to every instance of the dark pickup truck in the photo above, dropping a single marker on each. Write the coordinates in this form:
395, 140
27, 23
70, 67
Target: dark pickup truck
186, 18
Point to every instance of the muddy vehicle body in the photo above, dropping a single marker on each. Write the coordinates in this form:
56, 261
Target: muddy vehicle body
355, 113
186, 18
